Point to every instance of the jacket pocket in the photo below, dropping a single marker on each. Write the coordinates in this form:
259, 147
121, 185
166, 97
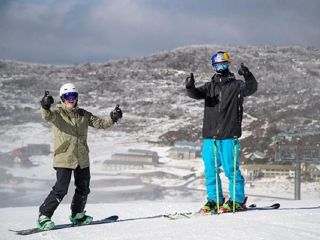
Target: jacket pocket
83, 148
62, 148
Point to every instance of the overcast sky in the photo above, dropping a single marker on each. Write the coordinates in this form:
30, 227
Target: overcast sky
81, 31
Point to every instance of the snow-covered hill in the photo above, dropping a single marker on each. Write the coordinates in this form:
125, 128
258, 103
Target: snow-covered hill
293, 221
151, 92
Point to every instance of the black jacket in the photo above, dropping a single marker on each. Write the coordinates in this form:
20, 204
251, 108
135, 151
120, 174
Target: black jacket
223, 108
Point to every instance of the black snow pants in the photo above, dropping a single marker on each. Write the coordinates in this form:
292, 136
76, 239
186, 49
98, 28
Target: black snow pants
60, 189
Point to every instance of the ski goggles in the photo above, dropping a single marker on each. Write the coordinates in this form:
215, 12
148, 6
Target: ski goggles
70, 96
220, 67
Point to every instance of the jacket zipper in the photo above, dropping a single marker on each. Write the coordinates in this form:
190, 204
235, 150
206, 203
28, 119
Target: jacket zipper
219, 104
77, 135
220, 97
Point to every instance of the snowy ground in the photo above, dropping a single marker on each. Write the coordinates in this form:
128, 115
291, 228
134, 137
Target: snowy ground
286, 223
168, 195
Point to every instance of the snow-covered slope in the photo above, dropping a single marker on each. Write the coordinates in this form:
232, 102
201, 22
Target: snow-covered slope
286, 223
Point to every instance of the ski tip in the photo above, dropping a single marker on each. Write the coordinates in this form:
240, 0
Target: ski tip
275, 206
18, 232
25, 232
114, 217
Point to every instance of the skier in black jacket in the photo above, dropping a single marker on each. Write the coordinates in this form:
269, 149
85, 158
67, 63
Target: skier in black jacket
223, 111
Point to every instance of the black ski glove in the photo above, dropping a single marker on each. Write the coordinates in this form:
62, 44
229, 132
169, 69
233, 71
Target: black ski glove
243, 70
46, 101
116, 114
190, 81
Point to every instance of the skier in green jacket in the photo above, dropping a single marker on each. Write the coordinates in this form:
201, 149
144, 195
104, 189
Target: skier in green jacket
71, 153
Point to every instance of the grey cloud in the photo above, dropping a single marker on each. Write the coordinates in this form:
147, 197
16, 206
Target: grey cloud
80, 31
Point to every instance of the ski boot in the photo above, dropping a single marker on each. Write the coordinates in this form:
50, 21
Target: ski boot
228, 206
208, 208
80, 218
44, 223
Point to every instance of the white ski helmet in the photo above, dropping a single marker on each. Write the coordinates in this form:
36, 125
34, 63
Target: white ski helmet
68, 90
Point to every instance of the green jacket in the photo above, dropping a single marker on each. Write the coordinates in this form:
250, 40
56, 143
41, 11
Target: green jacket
70, 130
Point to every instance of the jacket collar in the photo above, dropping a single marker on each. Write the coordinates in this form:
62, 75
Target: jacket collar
64, 107
223, 78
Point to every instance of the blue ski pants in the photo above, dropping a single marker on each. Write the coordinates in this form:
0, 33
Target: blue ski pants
225, 156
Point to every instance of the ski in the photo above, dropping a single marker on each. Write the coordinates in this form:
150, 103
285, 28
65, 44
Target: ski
110, 219
187, 215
